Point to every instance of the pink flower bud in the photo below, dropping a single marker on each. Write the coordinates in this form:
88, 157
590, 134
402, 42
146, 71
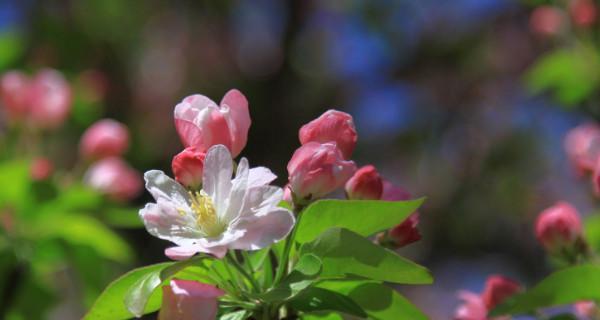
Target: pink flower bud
365, 184
472, 308
49, 99
189, 300
497, 290
318, 169
586, 309
583, 12
13, 91
115, 178
105, 138
394, 193
41, 169
558, 227
406, 232
582, 145
331, 126
188, 167
287, 194
547, 20
202, 124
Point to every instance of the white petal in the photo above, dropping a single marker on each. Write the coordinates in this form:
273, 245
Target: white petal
182, 253
262, 231
260, 176
163, 220
217, 176
162, 186
238, 192
262, 197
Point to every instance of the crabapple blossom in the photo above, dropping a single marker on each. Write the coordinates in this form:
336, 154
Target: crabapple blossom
41, 169
201, 123
331, 126
473, 307
189, 300
582, 145
497, 289
49, 99
365, 184
242, 213
406, 232
558, 227
547, 20
13, 92
583, 12
318, 169
105, 138
115, 178
188, 167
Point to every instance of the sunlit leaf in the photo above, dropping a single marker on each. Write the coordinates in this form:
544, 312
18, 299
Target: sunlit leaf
11, 47
318, 299
304, 274
364, 217
344, 252
562, 287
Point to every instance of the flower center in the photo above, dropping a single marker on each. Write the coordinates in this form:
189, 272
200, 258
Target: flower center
206, 215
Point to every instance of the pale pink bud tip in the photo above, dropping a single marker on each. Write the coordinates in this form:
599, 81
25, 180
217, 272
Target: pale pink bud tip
189, 300
498, 289
188, 167
547, 20
115, 178
582, 145
331, 126
105, 138
406, 232
41, 169
365, 184
558, 227
201, 123
318, 169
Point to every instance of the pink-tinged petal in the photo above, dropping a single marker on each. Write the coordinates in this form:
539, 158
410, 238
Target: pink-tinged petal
238, 192
472, 308
218, 168
163, 220
181, 253
582, 145
406, 232
586, 309
188, 167
162, 186
238, 120
365, 184
260, 198
264, 230
189, 300
260, 176
497, 289
200, 124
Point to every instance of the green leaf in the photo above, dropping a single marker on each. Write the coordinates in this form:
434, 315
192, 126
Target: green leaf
16, 175
83, 230
237, 315
137, 297
319, 299
592, 230
304, 274
78, 197
364, 217
344, 252
564, 316
377, 300
123, 217
11, 47
562, 287
570, 73
110, 305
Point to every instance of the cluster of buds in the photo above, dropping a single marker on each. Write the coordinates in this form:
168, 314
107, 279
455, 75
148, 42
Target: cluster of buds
559, 231
477, 306
552, 20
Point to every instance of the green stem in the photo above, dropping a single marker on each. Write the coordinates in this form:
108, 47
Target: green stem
282, 268
242, 271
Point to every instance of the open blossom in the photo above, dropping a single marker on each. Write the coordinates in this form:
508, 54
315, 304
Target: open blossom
365, 184
582, 145
49, 98
558, 227
242, 213
201, 123
497, 289
13, 92
104, 138
318, 169
114, 177
188, 167
331, 126
189, 300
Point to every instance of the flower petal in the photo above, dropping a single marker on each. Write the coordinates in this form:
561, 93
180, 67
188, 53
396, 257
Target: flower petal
239, 119
260, 176
162, 186
238, 192
264, 230
217, 176
260, 198
164, 221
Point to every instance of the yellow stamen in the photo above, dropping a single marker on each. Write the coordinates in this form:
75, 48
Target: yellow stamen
206, 215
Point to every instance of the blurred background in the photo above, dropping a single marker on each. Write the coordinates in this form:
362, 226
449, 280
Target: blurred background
465, 102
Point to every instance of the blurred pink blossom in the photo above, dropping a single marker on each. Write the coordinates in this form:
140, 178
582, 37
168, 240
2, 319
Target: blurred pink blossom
582, 145
318, 169
547, 20
41, 169
13, 92
365, 184
558, 227
331, 126
472, 308
189, 300
583, 12
49, 99
497, 289
105, 138
114, 177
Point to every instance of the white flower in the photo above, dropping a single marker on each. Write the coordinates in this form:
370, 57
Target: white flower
242, 213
